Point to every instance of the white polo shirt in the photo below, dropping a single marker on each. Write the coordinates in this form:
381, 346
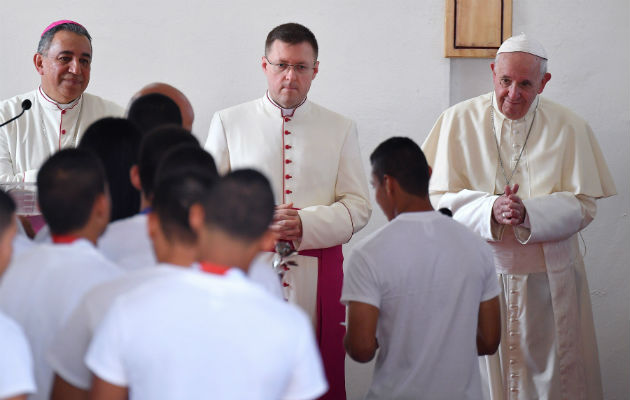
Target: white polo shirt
221, 336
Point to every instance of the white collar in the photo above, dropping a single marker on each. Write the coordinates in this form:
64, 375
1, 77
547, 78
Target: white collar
49, 103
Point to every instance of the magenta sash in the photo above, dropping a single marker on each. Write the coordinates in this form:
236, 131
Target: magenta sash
330, 314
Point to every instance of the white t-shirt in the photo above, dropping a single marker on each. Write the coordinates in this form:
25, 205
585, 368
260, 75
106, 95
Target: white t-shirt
127, 243
67, 352
195, 335
427, 275
16, 362
42, 286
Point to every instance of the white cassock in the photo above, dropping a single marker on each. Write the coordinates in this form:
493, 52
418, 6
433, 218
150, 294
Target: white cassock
40, 289
311, 157
47, 127
312, 160
548, 348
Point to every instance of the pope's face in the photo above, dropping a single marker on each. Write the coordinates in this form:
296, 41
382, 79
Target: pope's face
65, 68
289, 87
517, 80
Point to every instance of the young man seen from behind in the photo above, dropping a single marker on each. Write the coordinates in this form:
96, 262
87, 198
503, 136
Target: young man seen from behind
224, 336
432, 309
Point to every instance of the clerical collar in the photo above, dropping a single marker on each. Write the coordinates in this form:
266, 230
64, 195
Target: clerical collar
56, 104
532, 109
285, 111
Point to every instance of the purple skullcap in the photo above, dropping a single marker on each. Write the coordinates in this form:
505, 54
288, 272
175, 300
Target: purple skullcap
63, 21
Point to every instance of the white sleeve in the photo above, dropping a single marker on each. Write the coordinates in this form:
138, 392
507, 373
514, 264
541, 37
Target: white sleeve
216, 145
474, 210
329, 225
67, 352
307, 378
106, 354
555, 217
16, 361
360, 282
491, 288
7, 174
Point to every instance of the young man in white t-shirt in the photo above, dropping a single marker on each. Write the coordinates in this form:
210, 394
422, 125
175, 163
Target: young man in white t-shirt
45, 283
16, 362
210, 333
422, 289
185, 174
126, 241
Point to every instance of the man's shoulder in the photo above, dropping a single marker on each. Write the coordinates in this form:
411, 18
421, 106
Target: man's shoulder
475, 105
101, 105
553, 110
13, 104
249, 106
323, 112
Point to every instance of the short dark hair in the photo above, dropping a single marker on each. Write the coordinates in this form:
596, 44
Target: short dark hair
7, 211
186, 158
116, 142
154, 145
240, 204
402, 159
291, 33
46, 38
185, 175
68, 184
153, 110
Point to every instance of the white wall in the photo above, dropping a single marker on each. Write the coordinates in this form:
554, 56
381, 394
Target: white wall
381, 64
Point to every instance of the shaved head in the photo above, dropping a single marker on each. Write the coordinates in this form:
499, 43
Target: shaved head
186, 109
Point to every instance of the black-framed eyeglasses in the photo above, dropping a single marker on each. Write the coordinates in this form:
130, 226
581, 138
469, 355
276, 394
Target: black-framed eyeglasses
285, 67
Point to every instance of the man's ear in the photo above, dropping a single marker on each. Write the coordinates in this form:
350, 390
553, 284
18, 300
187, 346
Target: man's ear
267, 241
102, 208
134, 177
38, 61
430, 171
196, 218
545, 79
388, 183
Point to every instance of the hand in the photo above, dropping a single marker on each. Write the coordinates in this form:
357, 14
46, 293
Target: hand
509, 209
287, 224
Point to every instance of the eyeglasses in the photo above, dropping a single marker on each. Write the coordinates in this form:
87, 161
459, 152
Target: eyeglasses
284, 67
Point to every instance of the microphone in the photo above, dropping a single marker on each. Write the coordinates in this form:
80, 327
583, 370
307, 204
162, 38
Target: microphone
26, 105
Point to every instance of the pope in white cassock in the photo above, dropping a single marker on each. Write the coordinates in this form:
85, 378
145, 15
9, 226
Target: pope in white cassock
311, 156
524, 173
60, 111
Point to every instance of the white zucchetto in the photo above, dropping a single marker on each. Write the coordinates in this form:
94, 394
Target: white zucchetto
523, 44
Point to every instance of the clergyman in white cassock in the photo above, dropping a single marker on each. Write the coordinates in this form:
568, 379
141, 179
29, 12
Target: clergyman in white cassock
524, 173
60, 110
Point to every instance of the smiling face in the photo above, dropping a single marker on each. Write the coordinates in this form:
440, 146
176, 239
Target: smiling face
517, 80
65, 68
289, 88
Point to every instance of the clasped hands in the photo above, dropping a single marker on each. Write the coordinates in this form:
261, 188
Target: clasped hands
509, 209
287, 224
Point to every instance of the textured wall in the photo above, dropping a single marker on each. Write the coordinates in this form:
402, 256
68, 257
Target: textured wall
381, 64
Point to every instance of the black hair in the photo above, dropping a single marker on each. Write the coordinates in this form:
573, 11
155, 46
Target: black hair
154, 145
68, 184
291, 33
402, 159
7, 211
153, 110
240, 204
185, 175
46, 38
116, 142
